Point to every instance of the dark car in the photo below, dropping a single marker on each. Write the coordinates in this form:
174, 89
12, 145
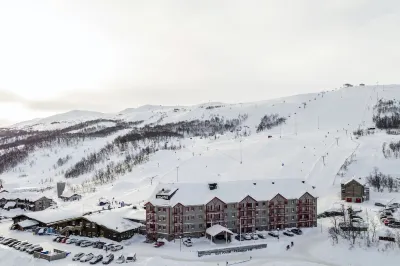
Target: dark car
96, 259
273, 234
56, 239
108, 259
379, 204
394, 225
78, 242
287, 233
262, 236
37, 249
239, 237
158, 244
14, 243
296, 231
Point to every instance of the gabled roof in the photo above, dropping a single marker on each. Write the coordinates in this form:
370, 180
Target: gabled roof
53, 216
31, 196
217, 229
190, 194
353, 180
113, 221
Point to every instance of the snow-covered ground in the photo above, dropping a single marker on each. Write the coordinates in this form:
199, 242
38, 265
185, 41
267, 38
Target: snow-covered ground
312, 145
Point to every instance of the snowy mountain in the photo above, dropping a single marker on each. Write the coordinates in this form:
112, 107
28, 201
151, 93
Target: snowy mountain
322, 138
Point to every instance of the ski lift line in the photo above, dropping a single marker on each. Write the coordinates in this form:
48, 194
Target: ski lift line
316, 162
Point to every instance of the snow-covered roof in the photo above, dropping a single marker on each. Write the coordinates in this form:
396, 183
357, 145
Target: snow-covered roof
139, 214
9, 204
28, 223
216, 229
22, 195
113, 220
52, 216
68, 193
230, 192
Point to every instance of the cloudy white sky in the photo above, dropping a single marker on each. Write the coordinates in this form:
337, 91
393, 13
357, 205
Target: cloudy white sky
105, 56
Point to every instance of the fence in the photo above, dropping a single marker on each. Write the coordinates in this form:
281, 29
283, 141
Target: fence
387, 238
230, 250
57, 255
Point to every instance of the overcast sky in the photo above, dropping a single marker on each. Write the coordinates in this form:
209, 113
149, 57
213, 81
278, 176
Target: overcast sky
105, 56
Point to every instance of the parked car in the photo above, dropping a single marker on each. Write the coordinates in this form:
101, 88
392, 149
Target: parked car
86, 244
288, 233
57, 239
297, 231
394, 205
108, 246
79, 242
273, 234
78, 256
379, 204
60, 239
31, 248
36, 249
70, 241
5, 241
20, 244
116, 247
96, 259
159, 244
99, 244
25, 247
108, 259
12, 244
254, 236
262, 235
121, 259
64, 240
87, 257
394, 225
247, 236
239, 237
130, 258
186, 242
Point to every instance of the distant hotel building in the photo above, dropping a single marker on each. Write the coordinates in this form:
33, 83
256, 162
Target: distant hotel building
188, 209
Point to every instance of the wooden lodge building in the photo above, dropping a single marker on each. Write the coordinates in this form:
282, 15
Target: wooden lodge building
109, 224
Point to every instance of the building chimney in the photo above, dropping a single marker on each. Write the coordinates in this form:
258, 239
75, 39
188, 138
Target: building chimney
303, 181
273, 183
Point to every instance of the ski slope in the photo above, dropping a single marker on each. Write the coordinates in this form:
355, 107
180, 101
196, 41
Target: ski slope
312, 145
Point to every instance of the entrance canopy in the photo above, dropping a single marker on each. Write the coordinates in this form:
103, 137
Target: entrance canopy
217, 229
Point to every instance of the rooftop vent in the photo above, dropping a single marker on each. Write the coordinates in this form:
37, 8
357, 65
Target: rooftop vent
212, 186
273, 183
303, 181
254, 183
313, 187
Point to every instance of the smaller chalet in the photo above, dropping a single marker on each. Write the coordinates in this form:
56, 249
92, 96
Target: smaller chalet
70, 196
25, 200
354, 191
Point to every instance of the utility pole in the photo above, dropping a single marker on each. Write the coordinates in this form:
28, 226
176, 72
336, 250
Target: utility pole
295, 123
323, 159
337, 141
177, 173
241, 155
318, 122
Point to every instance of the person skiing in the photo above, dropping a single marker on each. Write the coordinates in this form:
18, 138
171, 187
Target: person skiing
287, 247
291, 244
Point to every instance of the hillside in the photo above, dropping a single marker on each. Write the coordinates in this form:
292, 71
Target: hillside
316, 125
320, 138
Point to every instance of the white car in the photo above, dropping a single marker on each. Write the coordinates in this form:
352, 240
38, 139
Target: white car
86, 243
121, 259
25, 247
87, 257
188, 242
116, 247
254, 236
108, 246
130, 258
78, 256
70, 241
247, 236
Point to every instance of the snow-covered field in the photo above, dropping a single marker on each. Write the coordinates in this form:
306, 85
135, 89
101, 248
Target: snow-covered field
312, 145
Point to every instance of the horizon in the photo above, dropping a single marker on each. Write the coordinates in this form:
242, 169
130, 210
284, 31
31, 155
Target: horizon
64, 55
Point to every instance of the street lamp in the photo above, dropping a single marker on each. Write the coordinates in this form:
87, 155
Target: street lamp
180, 243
